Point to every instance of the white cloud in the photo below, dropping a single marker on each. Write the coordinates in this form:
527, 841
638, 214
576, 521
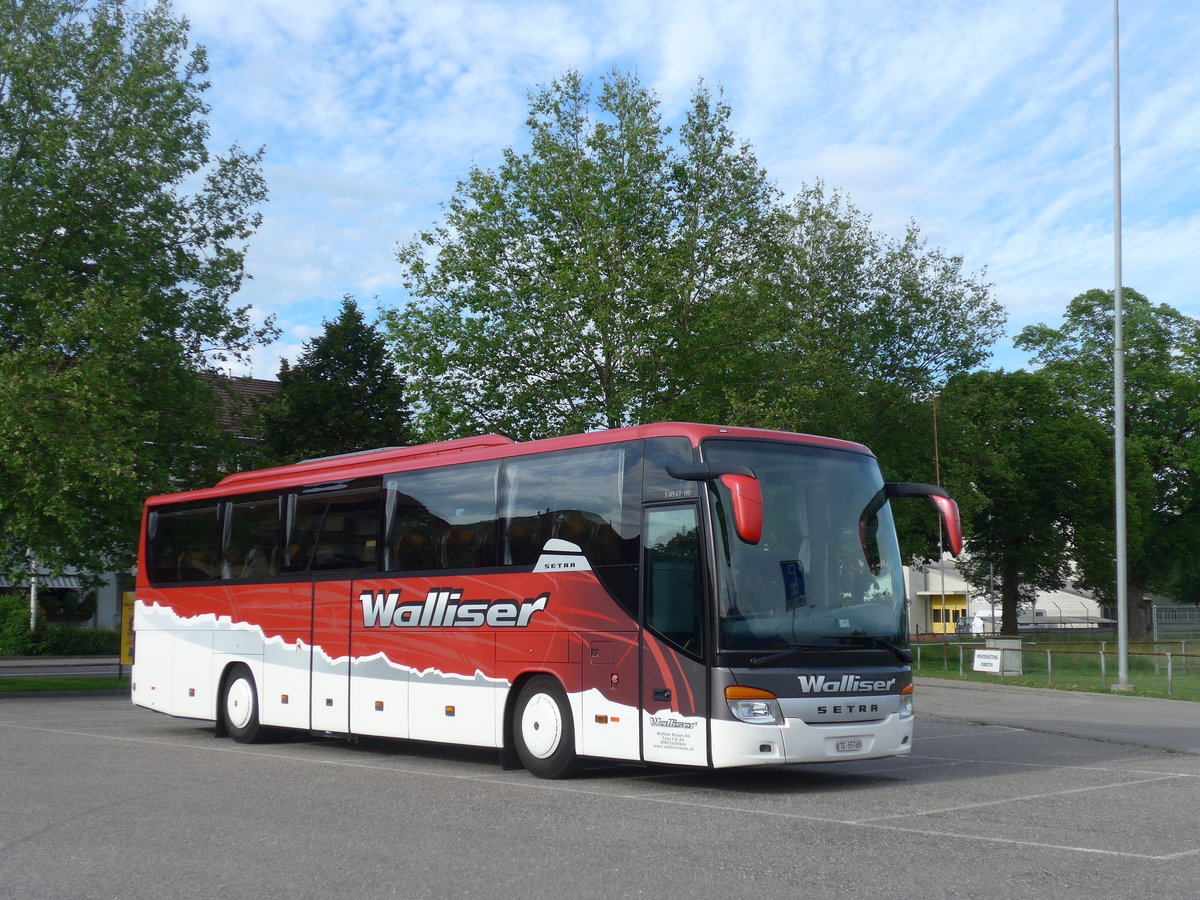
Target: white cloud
989, 124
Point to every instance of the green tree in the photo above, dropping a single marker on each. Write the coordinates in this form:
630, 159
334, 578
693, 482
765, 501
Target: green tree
121, 246
868, 328
1162, 418
341, 396
1026, 466
877, 325
613, 275
865, 308
557, 286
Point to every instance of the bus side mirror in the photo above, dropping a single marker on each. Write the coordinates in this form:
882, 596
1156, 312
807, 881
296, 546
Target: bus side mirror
746, 493
948, 510
743, 487
946, 507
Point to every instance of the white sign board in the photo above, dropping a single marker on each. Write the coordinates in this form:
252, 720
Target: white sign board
988, 660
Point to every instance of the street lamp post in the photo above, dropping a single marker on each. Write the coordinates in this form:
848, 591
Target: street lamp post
1122, 683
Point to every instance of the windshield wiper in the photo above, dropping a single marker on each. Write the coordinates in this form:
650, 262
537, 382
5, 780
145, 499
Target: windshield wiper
884, 643
846, 642
790, 651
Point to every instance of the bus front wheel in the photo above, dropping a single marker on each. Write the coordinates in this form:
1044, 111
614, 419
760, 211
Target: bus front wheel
239, 705
543, 731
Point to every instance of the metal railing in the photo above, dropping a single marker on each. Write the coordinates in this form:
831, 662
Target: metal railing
1157, 667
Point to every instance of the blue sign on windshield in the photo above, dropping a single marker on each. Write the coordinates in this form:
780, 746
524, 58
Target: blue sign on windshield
793, 583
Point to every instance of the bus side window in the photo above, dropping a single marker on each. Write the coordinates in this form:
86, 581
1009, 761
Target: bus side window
250, 538
674, 583
440, 519
333, 527
583, 496
183, 544
660, 453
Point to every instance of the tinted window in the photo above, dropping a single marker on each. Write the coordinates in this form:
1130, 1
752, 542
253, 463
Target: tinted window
332, 526
587, 497
827, 564
183, 543
441, 519
656, 483
674, 584
250, 538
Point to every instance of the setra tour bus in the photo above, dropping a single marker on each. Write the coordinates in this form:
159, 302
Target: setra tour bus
672, 594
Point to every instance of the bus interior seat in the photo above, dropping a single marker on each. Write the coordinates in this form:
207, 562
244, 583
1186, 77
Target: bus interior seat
411, 553
260, 563
520, 546
193, 566
458, 549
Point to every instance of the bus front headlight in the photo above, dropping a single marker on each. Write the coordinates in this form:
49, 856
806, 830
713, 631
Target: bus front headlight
753, 705
906, 701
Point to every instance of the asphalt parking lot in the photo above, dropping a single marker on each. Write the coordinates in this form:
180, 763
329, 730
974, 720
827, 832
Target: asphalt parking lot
1008, 793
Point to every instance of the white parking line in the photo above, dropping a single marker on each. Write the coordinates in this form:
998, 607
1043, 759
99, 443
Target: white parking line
1039, 845
994, 763
1016, 798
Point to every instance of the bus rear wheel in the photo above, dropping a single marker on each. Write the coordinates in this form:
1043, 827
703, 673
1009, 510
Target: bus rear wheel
239, 705
543, 730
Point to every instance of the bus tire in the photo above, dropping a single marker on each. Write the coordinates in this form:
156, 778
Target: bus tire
543, 730
239, 705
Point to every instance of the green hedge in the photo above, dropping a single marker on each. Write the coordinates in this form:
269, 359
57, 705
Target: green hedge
50, 639
71, 640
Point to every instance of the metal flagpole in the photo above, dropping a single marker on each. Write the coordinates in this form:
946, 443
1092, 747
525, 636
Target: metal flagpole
1122, 683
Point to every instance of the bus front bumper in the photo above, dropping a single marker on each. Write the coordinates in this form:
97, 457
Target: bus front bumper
796, 741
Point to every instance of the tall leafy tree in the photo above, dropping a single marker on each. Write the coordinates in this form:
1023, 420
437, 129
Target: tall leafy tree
872, 326
1026, 466
866, 308
875, 325
121, 247
1162, 390
557, 287
615, 273
341, 396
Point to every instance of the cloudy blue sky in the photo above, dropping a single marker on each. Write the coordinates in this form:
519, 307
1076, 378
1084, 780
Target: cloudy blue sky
987, 123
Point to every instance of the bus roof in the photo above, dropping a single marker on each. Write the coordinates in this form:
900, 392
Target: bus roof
482, 448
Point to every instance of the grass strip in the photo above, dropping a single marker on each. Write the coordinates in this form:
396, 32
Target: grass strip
63, 683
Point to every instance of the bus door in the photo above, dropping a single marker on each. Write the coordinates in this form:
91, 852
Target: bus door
333, 530
673, 674
287, 662
331, 607
379, 685
280, 606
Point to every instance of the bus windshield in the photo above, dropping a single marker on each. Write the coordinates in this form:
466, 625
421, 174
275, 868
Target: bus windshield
827, 569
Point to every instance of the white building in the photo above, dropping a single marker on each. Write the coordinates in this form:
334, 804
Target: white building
942, 602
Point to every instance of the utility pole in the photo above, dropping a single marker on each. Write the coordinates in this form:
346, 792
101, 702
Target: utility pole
1122, 682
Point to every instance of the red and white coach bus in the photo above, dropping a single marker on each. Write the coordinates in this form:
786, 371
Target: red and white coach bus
673, 593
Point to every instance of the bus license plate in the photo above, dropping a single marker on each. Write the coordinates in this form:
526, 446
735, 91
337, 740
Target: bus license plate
851, 746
